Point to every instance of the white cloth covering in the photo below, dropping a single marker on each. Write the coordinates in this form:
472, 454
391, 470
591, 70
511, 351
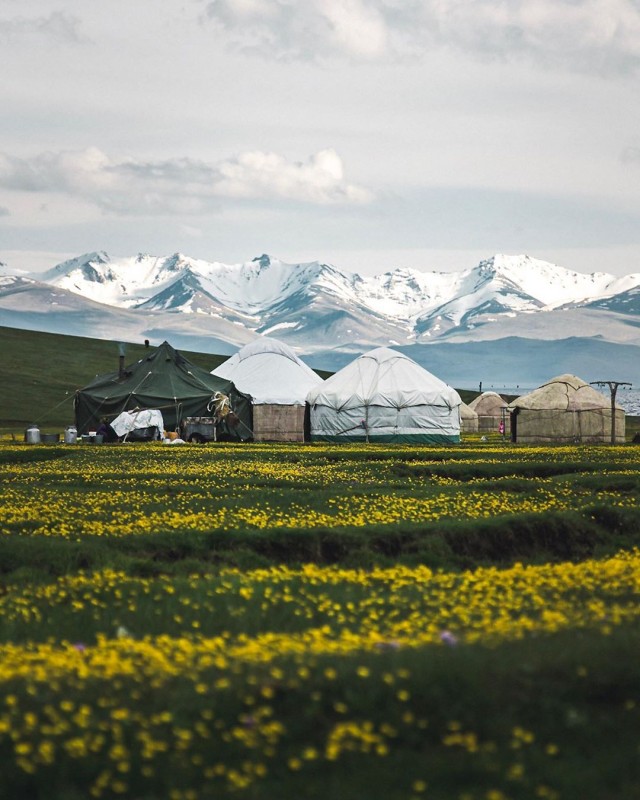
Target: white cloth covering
134, 420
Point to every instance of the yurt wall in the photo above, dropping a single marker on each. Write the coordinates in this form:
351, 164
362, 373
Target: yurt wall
272, 423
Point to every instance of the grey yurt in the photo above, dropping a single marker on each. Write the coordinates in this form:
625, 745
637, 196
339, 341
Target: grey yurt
565, 410
468, 419
384, 396
491, 410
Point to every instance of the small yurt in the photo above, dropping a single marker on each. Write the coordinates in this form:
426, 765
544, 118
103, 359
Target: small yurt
468, 419
278, 382
491, 410
384, 396
565, 410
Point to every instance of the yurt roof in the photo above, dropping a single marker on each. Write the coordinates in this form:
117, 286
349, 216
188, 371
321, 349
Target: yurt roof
466, 412
565, 393
383, 377
270, 372
488, 404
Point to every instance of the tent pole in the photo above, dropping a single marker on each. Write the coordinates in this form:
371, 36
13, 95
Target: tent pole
613, 388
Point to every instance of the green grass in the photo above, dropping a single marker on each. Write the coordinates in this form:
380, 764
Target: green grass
40, 372
177, 662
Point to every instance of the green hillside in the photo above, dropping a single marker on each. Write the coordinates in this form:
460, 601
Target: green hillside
40, 372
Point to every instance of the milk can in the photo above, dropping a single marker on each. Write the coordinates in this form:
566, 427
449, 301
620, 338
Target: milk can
32, 435
70, 434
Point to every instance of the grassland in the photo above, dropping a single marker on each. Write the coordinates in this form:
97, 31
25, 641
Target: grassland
263, 622
40, 373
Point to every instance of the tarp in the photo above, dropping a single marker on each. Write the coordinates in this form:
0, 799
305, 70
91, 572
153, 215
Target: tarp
384, 396
135, 420
270, 372
165, 380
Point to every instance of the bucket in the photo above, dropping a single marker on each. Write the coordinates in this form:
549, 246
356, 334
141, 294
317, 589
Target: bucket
70, 434
50, 438
98, 438
32, 435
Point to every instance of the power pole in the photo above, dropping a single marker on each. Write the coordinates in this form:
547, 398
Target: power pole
613, 388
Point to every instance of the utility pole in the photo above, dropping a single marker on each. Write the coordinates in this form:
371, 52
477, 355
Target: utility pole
613, 388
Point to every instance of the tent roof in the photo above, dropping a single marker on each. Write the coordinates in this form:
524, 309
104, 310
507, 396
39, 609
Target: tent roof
564, 393
164, 373
270, 372
383, 377
488, 404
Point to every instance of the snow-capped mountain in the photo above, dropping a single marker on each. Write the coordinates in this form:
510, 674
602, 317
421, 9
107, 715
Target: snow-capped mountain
316, 304
491, 314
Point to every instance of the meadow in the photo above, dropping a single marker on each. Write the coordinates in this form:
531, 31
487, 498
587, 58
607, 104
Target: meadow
343, 622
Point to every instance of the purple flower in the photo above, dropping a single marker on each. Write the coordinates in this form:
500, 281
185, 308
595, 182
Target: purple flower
446, 637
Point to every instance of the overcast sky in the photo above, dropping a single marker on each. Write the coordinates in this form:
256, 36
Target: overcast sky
372, 134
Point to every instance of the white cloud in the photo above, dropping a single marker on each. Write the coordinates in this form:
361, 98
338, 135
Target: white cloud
319, 180
58, 26
180, 185
587, 35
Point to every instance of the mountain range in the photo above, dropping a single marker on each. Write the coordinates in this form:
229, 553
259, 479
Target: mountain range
510, 319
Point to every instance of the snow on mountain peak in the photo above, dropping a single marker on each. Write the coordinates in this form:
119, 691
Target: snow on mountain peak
268, 293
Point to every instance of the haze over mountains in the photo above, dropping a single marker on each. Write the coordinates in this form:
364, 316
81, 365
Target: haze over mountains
510, 319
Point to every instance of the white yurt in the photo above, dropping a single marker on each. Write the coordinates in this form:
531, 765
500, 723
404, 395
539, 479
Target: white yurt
278, 382
384, 396
565, 410
491, 410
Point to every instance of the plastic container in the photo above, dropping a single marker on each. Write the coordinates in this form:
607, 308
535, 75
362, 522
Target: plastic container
70, 434
32, 435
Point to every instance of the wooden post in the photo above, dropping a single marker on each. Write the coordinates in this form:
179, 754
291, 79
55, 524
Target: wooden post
613, 388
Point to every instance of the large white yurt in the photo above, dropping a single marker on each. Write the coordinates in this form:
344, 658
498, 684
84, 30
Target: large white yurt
565, 410
278, 382
491, 410
384, 396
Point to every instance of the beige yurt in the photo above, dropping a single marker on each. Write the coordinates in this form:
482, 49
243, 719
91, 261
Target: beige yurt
468, 419
491, 410
565, 410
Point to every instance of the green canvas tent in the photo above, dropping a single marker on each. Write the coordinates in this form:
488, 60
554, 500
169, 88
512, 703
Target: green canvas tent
166, 380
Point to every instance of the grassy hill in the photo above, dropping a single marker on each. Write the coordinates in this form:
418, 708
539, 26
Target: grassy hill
40, 373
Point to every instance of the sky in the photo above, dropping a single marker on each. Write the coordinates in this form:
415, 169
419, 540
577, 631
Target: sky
370, 134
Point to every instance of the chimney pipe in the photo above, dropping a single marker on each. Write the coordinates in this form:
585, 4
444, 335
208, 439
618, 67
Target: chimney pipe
121, 361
